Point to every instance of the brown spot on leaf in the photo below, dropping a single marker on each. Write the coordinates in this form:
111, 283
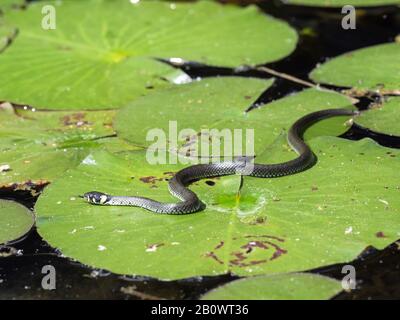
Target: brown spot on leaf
267, 236
251, 250
64, 48
380, 234
258, 220
150, 179
219, 245
75, 119
153, 247
213, 256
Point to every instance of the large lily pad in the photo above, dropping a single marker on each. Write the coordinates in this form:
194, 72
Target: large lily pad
341, 3
15, 221
383, 118
325, 215
36, 146
368, 69
102, 53
220, 103
295, 286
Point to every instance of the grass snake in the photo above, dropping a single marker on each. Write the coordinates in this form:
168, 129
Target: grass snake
190, 203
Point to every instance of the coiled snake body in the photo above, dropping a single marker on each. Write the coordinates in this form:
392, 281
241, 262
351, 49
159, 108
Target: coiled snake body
190, 203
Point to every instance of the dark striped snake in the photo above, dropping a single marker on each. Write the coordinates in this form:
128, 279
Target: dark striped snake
190, 203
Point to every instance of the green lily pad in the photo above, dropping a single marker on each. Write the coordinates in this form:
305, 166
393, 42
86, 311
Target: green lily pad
102, 53
220, 103
15, 221
37, 146
341, 3
294, 286
326, 215
383, 118
367, 69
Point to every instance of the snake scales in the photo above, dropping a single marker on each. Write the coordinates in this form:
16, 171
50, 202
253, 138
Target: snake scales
190, 203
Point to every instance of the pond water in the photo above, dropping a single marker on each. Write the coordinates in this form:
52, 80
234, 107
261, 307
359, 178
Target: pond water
321, 37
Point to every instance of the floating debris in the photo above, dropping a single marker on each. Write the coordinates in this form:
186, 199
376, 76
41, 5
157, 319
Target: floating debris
348, 230
5, 168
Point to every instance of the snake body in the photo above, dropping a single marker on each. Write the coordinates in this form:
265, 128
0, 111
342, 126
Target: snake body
190, 203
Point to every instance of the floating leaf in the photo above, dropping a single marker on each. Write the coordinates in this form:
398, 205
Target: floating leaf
326, 215
220, 104
383, 119
368, 69
102, 53
15, 221
341, 3
295, 286
38, 146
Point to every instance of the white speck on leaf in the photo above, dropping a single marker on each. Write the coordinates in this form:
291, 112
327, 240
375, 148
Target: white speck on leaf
101, 247
152, 248
384, 202
178, 61
5, 168
89, 161
348, 230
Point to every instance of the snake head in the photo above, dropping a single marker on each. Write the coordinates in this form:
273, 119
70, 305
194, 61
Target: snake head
95, 197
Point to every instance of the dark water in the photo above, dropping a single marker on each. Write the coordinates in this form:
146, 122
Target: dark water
378, 272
